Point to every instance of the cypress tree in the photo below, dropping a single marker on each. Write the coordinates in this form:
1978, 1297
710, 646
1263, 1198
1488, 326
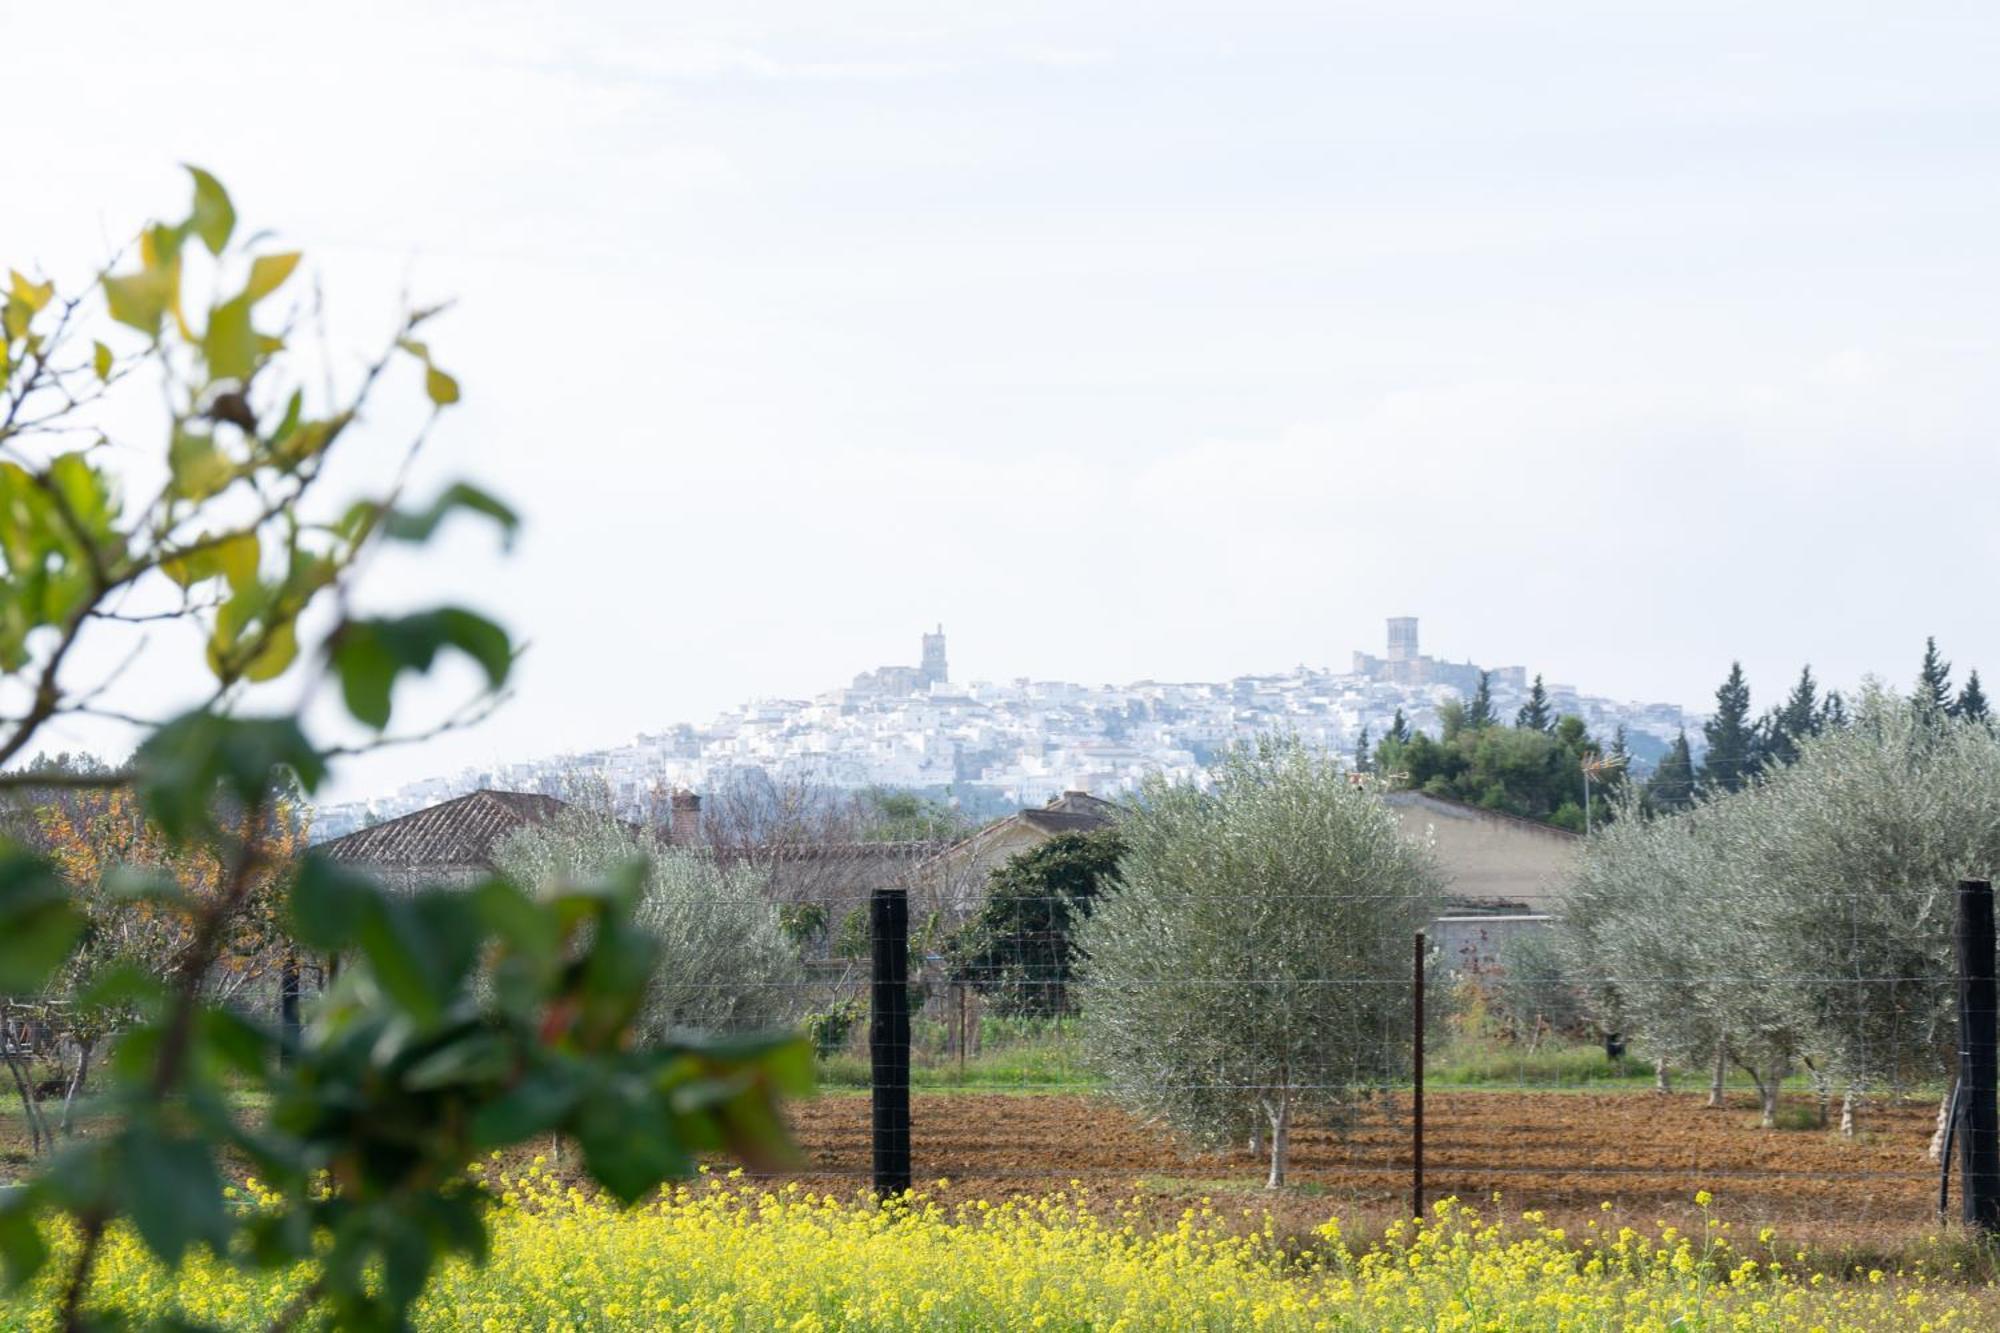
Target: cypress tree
1363, 756
1399, 729
1480, 712
1833, 712
1933, 693
1536, 714
1797, 718
1971, 705
1672, 785
1618, 760
1732, 738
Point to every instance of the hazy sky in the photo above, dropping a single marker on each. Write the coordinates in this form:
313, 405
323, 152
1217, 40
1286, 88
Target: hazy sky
1134, 340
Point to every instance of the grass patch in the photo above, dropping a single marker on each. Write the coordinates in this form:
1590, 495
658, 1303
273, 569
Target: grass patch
1493, 1064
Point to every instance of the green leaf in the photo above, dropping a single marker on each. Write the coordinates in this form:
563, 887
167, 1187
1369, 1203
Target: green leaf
367, 674
234, 558
38, 922
268, 273
454, 1219
370, 654
421, 949
442, 388
185, 764
628, 1141
214, 217
199, 468
122, 985
172, 1191
236, 1042
513, 916
418, 525
21, 1243
100, 359
230, 343
34, 295
329, 902
474, 1058
406, 1260
138, 299
290, 421
279, 650
536, 1105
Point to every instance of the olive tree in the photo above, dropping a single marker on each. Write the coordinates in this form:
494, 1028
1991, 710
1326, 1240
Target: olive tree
1632, 926
727, 964
1252, 963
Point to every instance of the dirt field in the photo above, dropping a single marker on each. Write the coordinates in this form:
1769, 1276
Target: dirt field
1568, 1153
1565, 1153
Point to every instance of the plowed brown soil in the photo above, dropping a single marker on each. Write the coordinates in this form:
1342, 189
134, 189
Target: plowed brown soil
1565, 1152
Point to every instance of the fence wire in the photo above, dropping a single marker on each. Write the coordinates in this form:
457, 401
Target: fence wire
1021, 1081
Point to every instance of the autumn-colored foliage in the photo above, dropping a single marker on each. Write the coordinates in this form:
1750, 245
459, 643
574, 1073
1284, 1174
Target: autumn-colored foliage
142, 892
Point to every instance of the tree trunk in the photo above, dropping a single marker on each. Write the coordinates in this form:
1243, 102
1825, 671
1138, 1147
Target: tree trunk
76, 1082
1281, 1140
1936, 1153
289, 985
1850, 1102
1256, 1138
1663, 1079
1768, 1084
1720, 1071
31, 1110
1823, 1092
12, 1045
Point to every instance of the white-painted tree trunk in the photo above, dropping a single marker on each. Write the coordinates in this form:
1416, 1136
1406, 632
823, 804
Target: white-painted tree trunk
1936, 1153
1850, 1102
1281, 1140
76, 1082
1767, 1096
1663, 1079
1717, 1074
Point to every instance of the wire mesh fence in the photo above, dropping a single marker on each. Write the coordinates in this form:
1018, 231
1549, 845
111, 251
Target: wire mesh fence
942, 1058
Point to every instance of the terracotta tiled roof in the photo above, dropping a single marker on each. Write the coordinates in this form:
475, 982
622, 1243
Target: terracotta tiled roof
461, 832
1065, 821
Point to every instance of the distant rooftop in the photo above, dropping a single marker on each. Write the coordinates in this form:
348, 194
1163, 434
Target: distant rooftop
461, 832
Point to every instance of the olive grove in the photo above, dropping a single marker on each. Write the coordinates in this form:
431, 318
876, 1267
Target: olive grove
1805, 920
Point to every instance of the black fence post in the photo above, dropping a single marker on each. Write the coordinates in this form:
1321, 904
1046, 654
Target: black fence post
1978, 1058
889, 1038
1417, 1080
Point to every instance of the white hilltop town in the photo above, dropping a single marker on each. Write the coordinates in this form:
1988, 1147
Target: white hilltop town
991, 745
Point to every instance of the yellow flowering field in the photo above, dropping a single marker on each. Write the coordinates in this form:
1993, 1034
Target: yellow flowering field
717, 1255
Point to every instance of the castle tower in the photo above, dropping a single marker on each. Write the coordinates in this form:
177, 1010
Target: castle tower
1402, 638
933, 669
